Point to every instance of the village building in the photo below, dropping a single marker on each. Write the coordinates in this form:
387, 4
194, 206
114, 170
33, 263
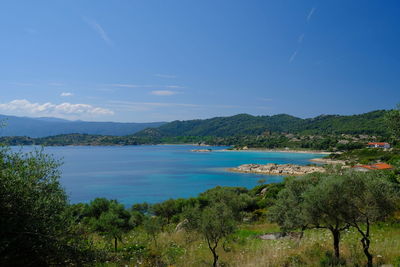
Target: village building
377, 166
378, 145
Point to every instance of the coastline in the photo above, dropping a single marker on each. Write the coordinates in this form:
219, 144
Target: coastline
279, 151
277, 169
328, 161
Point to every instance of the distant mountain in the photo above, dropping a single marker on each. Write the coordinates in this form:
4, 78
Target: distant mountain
41, 127
244, 124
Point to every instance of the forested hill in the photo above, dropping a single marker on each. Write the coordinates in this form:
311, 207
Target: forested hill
244, 124
40, 127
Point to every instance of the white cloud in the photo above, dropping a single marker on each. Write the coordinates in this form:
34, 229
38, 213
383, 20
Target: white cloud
311, 13
65, 94
163, 92
63, 110
99, 30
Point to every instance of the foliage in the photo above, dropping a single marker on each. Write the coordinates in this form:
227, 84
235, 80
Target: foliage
393, 121
108, 218
214, 223
288, 210
336, 201
35, 226
244, 124
153, 226
371, 199
369, 156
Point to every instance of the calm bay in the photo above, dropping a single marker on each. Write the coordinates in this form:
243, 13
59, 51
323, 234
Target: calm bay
135, 174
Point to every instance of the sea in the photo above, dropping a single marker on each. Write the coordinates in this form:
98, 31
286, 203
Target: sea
154, 173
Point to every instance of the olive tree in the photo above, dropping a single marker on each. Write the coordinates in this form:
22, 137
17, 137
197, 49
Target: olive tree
214, 223
216, 214
35, 228
109, 218
153, 226
371, 198
287, 211
336, 201
322, 207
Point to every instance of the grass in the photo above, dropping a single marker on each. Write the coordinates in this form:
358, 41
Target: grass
244, 249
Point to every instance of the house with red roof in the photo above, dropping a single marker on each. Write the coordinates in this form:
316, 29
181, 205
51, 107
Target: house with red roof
376, 166
378, 145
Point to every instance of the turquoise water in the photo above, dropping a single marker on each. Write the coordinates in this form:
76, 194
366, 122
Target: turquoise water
133, 174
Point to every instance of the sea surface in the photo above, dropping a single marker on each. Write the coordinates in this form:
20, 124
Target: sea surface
135, 174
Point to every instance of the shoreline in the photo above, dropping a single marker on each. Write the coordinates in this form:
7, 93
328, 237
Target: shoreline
328, 161
278, 150
277, 169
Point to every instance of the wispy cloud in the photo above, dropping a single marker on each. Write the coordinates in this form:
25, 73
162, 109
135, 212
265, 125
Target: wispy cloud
293, 57
167, 76
128, 85
99, 30
163, 92
63, 110
152, 86
174, 86
66, 94
301, 38
310, 14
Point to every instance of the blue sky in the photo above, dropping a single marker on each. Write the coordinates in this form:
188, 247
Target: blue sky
139, 61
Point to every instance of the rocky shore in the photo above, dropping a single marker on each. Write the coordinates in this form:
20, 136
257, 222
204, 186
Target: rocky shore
201, 150
277, 169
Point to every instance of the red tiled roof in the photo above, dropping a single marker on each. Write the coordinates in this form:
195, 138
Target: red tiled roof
377, 166
378, 143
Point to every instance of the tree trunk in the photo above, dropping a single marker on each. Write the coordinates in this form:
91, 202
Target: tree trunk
336, 240
365, 242
215, 263
213, 250
115, 244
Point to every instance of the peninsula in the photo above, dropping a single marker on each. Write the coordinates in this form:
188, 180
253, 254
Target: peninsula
277, 169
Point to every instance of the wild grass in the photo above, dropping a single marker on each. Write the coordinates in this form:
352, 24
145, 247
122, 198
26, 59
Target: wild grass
245, 249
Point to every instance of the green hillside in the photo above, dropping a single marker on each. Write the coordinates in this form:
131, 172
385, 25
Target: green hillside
244, 124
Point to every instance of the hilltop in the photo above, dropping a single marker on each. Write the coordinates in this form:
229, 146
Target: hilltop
244, 124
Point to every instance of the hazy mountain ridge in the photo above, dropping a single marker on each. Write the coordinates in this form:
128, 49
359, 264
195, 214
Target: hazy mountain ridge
41, 127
